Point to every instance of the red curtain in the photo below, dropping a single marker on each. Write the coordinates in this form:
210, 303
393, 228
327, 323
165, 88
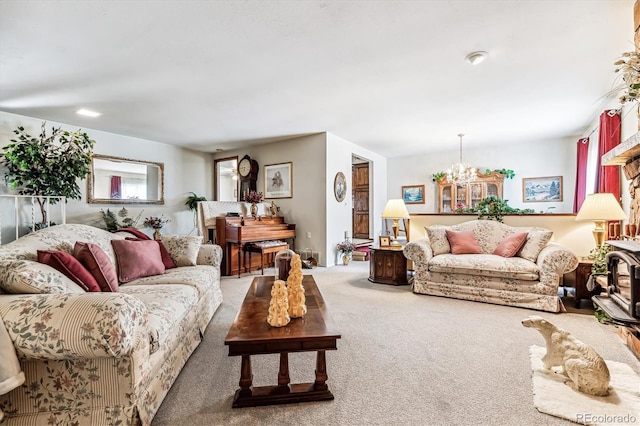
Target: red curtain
116, 187
608, 177
581, 174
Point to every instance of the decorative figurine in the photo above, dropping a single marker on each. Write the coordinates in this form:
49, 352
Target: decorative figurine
279, 305
586, 370
297, 306
274, 209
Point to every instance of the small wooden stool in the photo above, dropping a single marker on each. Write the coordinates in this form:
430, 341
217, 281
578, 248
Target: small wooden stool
265, 247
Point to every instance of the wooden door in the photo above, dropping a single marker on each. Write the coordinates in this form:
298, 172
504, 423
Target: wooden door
360, 179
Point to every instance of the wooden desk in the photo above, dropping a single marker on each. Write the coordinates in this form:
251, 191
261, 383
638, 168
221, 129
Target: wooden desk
250, 334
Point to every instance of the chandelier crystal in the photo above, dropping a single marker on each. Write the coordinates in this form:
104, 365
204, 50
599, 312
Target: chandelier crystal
460, 173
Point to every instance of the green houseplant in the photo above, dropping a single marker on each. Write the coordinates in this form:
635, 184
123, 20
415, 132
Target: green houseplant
112, 223
192, 201
493, 208
47, 165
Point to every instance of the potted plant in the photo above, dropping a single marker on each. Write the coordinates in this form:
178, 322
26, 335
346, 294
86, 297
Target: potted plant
346, 248
156, 223
254, 198
112, 223
192, 203
493, 208
47, 165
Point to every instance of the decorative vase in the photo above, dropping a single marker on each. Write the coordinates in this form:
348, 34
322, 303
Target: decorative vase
156, 234
346, 258
254, 210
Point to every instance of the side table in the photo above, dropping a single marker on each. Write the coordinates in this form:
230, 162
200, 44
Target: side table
387, 265
582, 275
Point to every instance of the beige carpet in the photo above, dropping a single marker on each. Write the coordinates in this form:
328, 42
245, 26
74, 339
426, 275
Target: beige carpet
551, 395
404, 359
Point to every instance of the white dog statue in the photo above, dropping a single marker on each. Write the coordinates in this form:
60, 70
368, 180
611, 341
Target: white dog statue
580, 363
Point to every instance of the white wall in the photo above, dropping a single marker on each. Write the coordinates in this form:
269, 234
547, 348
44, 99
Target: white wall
339, 214
184, 171
545, 158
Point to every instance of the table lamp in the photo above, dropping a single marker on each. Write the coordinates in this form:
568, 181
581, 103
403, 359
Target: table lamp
600, 208
395, 210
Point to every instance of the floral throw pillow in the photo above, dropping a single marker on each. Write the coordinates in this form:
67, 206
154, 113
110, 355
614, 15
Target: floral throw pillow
19, 276
438, 239
183, 249
536, 241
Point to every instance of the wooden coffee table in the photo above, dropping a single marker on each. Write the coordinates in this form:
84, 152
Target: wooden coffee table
250, 334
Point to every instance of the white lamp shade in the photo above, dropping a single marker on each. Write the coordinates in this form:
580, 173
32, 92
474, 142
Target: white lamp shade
602, 206
395, 209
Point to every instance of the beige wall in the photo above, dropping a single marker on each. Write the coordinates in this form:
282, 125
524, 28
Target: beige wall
576, 236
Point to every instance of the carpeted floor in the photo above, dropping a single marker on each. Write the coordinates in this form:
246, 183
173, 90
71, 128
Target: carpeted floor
404, 359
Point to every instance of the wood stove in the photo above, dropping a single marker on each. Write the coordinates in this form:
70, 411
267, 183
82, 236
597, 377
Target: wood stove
622, 299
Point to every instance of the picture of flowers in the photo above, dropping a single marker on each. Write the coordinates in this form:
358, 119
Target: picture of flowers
542, 189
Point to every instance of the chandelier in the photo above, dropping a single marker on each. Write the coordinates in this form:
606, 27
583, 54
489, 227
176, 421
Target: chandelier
460, 173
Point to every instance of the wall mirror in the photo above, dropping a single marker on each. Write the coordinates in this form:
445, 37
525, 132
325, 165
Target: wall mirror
115, 180
226, 179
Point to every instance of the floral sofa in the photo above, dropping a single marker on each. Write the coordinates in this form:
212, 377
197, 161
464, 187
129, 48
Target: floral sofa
100, 358
529, 279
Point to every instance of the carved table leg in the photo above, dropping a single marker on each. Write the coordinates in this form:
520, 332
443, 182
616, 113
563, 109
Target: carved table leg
246, 378
283, 374
321, 372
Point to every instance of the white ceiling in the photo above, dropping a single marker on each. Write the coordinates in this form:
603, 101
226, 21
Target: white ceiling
389, 76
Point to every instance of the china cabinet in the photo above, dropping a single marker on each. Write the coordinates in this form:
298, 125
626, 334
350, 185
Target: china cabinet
451, 197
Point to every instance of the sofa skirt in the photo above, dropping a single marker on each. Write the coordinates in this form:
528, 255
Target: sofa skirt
540, 302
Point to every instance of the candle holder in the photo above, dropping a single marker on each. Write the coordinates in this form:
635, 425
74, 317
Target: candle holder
283, 264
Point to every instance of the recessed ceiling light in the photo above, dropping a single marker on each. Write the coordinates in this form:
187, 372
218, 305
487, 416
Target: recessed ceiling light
476, 57
88, 113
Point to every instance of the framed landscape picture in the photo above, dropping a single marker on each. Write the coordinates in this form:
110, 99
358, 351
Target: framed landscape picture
278, 180
542, 189
413, 194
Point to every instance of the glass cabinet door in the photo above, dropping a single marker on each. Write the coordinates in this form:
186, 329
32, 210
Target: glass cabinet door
447, 198
461, 196
492, 190
476, 194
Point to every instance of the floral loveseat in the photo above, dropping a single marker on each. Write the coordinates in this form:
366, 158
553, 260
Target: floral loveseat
529, 279
101, 358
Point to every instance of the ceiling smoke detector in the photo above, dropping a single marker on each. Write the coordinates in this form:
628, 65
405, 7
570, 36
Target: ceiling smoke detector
474, 58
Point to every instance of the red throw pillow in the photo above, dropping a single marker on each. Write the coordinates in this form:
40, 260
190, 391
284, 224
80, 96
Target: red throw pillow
133, 231
164, 253
511, 244
463, 242
137, 259
70, 267
98, 264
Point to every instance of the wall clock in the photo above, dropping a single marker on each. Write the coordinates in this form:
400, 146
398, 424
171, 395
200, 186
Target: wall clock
340, 187
248, 172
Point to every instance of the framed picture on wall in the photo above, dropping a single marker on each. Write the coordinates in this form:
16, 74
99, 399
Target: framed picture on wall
278, 180
542, 189
413, 194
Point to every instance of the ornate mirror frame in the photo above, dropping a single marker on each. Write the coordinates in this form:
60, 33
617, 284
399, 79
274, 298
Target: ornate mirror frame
91, 184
